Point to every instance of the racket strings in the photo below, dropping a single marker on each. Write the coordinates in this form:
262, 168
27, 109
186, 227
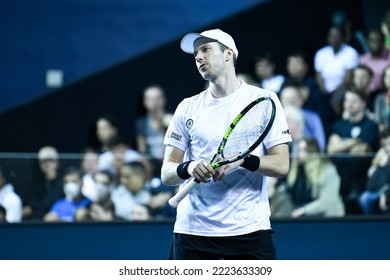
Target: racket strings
248, 130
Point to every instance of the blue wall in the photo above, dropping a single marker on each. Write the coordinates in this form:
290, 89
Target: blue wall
82, 37
323, 239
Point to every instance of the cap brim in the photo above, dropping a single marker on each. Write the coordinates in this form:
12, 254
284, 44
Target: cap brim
187, 43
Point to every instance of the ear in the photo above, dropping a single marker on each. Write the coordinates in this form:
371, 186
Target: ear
228, 54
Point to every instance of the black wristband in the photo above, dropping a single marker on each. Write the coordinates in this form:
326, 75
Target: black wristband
251, 162
181, 170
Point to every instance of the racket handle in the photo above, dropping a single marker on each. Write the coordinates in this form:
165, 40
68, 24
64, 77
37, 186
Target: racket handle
175, 200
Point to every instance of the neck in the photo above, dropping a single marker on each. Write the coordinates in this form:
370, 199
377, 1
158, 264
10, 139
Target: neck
222, 87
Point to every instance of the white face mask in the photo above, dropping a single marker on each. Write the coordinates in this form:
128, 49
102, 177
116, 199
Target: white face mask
71, 190
101, 191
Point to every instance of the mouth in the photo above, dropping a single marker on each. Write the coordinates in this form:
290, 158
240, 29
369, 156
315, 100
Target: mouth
202, 66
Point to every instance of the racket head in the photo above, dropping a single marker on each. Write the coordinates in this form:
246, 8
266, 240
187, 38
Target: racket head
246, 132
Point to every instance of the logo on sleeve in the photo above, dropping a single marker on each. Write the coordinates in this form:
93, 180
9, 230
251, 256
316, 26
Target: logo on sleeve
286, 131
189, 123
174, 135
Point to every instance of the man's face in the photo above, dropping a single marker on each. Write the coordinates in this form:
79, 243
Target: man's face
353, 104
375, 43
361, 79
296, 67
209, 58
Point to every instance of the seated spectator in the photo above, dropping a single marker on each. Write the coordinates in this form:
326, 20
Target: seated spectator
131, 191
46, 187
382, 103
357, 136
313, 183
265, 73
378, 178
333, 65
291, 95
89, 166
65, 208
102, 208
377, 59
298, 67
119, 152
11, 201
361, 79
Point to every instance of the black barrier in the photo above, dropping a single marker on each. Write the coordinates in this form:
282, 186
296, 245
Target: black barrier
303, 239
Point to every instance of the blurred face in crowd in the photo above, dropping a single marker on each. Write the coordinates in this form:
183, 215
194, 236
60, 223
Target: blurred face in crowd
264, 69
353, 104
103, 185
134, 181
361, 79
140, 213
48, 161
296, 67
291, 96
72, 185
375, 43
105, 130
335, 37
90, 162
154, 99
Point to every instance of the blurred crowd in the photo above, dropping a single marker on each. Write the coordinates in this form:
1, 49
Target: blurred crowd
337, 105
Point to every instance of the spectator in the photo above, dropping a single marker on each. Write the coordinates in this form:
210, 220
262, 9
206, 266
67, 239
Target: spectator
356, 136
65, 208
106, 129
384, 200
151, 128
353, 37
102, 209
3, 215
382, 103
361, 79
378, 178
265, 73
296, 124
118, 153
11, 202
377, 59
131, 190
89, 166
333, 65
313, 183
291, 95
46, 188
298, 67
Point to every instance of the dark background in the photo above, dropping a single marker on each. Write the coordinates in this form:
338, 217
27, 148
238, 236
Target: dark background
65, 117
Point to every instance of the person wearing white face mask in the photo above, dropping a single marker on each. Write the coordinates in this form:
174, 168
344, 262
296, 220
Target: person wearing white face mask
103, 208
64, 209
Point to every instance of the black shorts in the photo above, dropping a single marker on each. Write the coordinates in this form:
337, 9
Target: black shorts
253, 246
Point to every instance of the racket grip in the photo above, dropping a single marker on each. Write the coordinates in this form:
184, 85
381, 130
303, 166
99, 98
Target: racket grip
175, 200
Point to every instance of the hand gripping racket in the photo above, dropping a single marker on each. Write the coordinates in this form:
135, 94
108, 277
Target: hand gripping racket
244, 134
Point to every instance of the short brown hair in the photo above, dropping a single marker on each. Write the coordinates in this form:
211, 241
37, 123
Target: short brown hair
352, 88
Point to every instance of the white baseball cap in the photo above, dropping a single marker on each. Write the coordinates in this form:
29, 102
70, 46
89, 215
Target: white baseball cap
187, 43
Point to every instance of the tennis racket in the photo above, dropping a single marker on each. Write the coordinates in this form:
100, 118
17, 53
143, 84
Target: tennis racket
244, 134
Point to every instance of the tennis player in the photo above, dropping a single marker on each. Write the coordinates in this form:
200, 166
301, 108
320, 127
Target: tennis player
227, 216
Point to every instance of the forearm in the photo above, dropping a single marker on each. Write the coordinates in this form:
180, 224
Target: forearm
274, 166
169, 175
